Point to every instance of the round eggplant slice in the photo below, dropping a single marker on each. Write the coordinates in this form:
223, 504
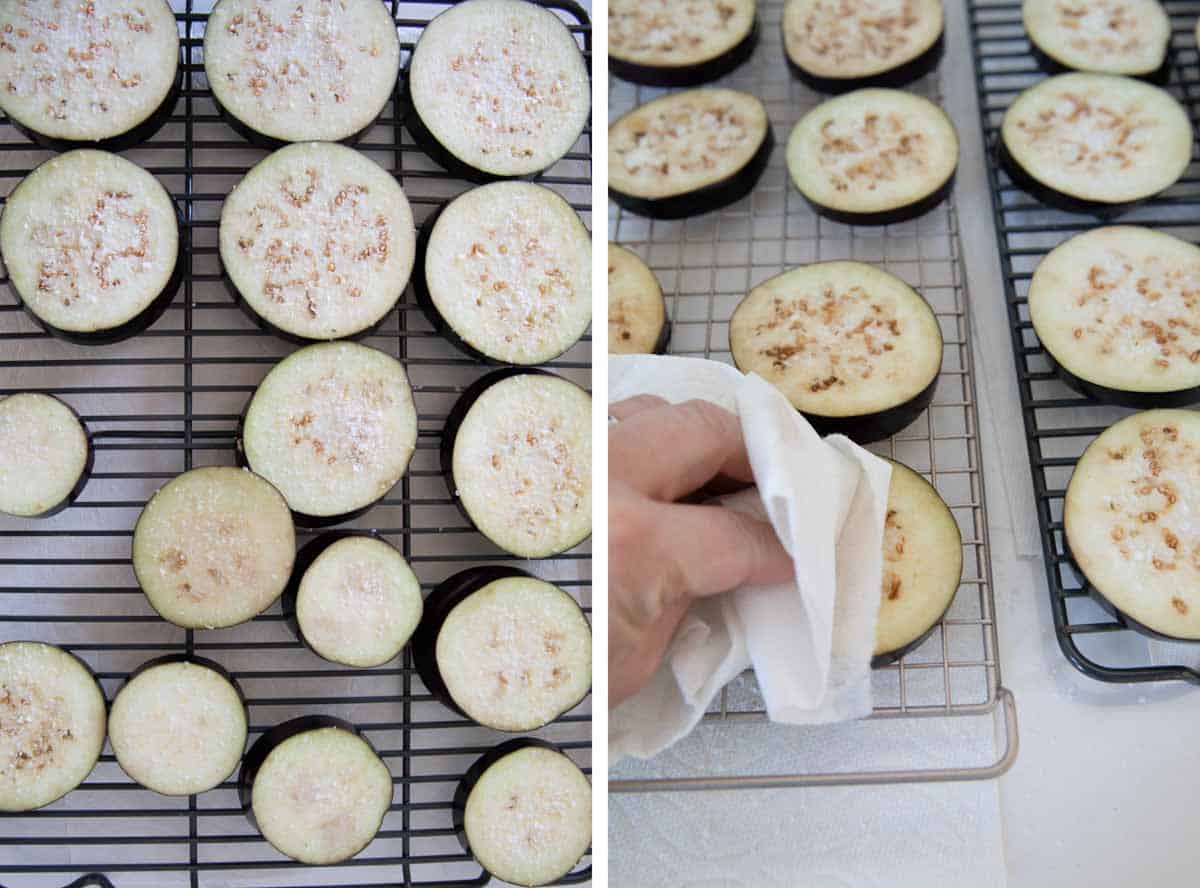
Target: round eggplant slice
498, 89
637, 311
507, 273
307, 774
1116, 310
214, 547
178, 725
524, 810
517, 453
666, 43
854, 348
354, 598
1129, 525
1103, 36
840, 45
922, 565
45, 455
317, 242
333, 426
52, 709
874, 157
688, 153
300, 70
504, 648
91, 242
1094, 142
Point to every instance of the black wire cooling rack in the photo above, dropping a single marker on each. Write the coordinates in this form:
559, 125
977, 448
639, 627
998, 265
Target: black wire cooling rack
1058, 423
169, 400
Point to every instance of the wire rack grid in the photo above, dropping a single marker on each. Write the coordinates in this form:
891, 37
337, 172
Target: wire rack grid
169, 400
706, 264
1059, 424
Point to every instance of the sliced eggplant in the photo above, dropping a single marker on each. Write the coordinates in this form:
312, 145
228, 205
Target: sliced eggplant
46, 455
317, 242
91, 243
52, 712
874, 157
840, 45
316, 789
301, 70
506, 273
1095, 143
1129, 521
214, 547
178, 725
922, 565
498, 89
688, 153
854, 348
353, 598
524, 810
103, 74
333, 427
503, 648
1127, 37
517, 455
1116, 310
637, 311
665, 43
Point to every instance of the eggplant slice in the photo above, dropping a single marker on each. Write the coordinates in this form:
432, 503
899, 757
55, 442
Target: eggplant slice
214, 547
854, 348
524, 810
840, 45
506, 273
333, 427
45, 455
91, 242
922, 565
498, 89
103, 74
667, 43
52, 709
1138, 142
354, 599
317, 242
688, 153
503, 648
1127, 37
1116, 309
637, 311
874, 157
308, 773
301, 70
1129, 525
178, 725
517, 455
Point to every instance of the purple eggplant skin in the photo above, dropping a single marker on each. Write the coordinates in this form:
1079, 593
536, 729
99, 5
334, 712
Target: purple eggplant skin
1158, 77
872, 427
887, 658
887, 217
1054, 198
895, 78
84, 476
687, 75
703, 200
128, 139
270, 143
1137, 400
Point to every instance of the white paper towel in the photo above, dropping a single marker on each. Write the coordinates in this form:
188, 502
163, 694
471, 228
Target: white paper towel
809, 641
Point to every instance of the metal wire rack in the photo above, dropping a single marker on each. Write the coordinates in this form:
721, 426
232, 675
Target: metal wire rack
1059, 424
706, 264
169, 400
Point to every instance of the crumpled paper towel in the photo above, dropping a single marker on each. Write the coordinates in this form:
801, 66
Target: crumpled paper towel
810, 642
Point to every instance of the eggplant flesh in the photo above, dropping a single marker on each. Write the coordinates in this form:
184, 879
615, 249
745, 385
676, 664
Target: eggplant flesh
895, 78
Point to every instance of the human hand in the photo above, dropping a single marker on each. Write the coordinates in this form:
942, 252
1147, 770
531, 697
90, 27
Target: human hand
663, 554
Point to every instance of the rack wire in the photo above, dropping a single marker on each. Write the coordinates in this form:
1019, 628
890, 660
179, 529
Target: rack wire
1059, 424
706, 264
169, 400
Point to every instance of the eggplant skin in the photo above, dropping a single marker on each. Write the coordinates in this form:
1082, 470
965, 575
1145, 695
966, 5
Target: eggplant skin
1052, 197
270, 143
703, 200
1119, 397
1160, 76
213, 665
887, 217
887, 658
872, 427
894, 78
287, 336
687, 75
